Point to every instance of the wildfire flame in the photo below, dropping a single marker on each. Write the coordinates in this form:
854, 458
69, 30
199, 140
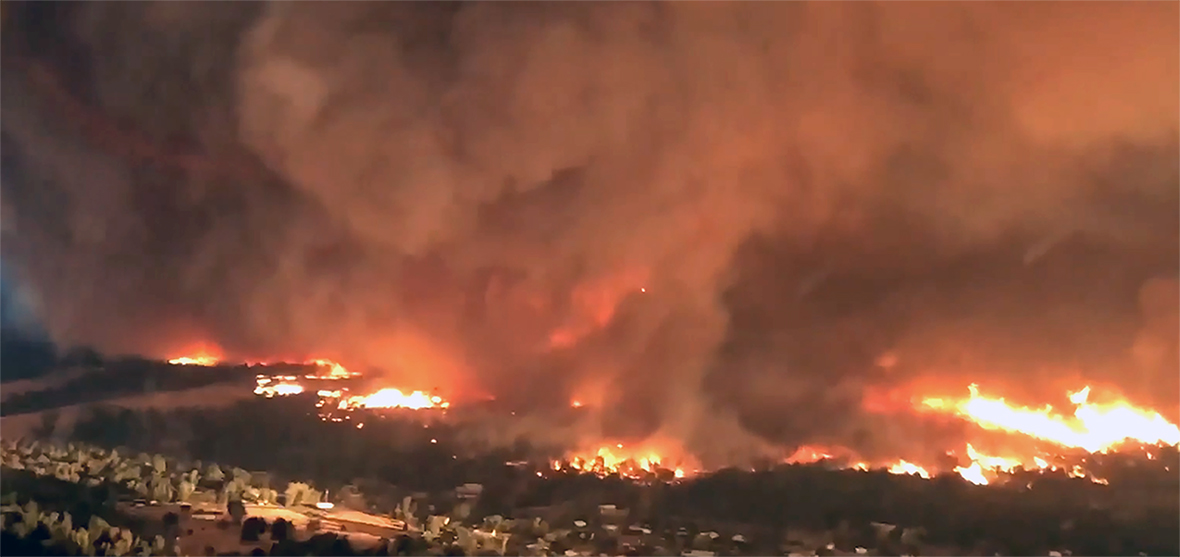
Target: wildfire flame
286, 385
394, 398
903, 467
982, 466
1093, 427
206, 358
277, 386
618, 460
195, 360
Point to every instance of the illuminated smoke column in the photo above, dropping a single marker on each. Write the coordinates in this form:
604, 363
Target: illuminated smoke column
718, 223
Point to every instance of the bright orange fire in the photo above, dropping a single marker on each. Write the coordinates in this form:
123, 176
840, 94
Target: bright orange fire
194, 361
1093, 427
981, 470
810, 454
903, 467
394, 398
983, 466
286, 385
617, 459
207, 357
202, 354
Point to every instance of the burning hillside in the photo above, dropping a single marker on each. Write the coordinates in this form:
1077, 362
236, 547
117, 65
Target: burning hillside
1009, 438
704, 223
324, 382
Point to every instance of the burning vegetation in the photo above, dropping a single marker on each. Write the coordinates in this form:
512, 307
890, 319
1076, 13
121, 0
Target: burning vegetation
1031, 439
329, 374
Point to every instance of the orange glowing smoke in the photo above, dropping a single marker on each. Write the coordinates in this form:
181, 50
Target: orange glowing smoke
1093, 427
593, 305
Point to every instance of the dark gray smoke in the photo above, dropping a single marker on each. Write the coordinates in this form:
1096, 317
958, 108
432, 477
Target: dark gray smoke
727, 221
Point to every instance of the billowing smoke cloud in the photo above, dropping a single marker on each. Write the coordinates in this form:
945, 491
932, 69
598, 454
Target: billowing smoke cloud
718, 221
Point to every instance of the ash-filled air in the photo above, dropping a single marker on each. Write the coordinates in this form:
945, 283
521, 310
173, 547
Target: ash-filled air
721, 223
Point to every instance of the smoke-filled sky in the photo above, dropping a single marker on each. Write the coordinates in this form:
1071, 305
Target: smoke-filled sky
696, 215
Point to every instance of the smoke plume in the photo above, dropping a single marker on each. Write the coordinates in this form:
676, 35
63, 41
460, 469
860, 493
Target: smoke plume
718, 221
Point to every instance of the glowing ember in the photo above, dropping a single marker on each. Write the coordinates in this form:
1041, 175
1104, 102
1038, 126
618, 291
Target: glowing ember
394, 398
1093, 427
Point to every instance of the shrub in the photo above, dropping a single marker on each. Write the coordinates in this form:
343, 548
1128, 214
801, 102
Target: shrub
252, 529
280, 530
171, 526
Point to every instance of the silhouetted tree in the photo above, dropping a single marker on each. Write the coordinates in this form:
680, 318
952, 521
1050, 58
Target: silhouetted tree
171, 527
280, 530
237, 511
253, 528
